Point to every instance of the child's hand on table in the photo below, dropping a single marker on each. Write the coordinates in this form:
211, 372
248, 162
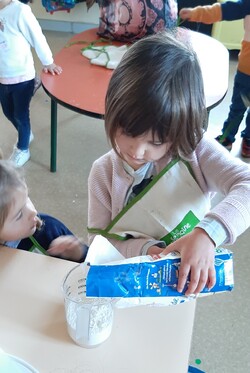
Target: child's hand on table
197, 258
52, 69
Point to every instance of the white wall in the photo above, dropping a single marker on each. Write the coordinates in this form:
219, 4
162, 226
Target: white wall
77, 20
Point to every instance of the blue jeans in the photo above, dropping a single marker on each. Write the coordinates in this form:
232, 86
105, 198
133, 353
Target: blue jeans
238, 108
15, 100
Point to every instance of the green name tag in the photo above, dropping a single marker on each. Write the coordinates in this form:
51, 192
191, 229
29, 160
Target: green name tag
185, 226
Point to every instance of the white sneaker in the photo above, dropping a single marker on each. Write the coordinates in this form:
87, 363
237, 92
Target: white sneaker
19, 157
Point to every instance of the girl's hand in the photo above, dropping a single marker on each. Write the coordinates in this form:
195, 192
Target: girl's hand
197, 259
154, 251
52, 69
67, 247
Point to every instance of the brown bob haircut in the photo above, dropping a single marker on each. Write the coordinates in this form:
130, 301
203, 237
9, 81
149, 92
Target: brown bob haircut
158, 87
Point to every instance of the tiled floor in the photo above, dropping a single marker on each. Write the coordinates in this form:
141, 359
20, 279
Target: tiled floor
221, 336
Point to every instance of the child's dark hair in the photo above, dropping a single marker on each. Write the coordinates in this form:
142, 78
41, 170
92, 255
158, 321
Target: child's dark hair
158, 87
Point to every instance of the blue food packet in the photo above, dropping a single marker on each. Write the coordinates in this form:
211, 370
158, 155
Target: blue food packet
148, 278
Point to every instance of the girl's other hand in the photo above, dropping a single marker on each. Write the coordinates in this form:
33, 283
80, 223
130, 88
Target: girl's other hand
52, 69
154, 251
197, 259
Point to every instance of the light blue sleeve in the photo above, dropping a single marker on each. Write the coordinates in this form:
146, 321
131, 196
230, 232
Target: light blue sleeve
214, 229
12, 244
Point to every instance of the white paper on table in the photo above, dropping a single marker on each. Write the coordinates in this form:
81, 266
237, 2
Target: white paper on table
101, 251
107, 56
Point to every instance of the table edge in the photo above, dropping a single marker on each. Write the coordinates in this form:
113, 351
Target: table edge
73, 108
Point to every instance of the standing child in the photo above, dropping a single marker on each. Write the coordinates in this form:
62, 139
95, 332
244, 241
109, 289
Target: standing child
21, 227
154, 187
19, 31
229, 11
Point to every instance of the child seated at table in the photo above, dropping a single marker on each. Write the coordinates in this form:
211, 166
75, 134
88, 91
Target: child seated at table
23, 228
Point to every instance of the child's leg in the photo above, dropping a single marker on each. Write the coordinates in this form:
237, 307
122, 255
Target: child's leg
246, 98
15, 100
37, 84
246, 132
22, 94
6, 100
245, 145
236, 113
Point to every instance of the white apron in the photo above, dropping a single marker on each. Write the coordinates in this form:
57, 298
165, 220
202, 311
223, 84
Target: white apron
169, 207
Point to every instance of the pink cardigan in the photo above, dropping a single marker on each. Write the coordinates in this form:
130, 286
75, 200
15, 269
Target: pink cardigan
215, 170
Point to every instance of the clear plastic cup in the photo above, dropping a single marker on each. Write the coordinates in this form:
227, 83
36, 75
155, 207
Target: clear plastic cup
89, 320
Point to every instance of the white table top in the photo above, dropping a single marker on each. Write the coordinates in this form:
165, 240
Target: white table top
33, 326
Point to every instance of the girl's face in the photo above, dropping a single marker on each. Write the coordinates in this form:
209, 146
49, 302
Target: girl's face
22, 218
137, 151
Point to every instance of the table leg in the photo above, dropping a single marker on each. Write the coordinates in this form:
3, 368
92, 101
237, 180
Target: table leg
53, 135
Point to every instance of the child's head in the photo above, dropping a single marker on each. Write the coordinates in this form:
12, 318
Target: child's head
158, 88
18, 218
